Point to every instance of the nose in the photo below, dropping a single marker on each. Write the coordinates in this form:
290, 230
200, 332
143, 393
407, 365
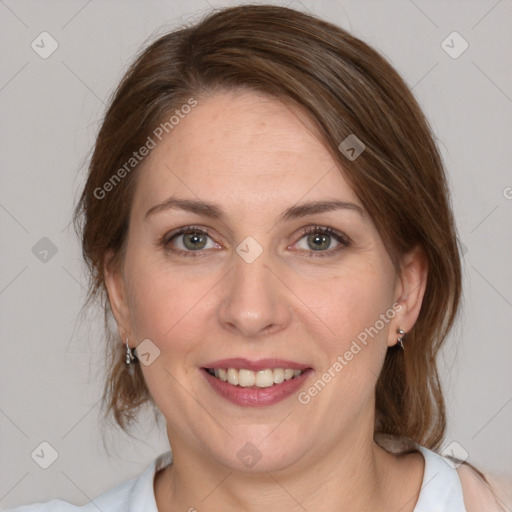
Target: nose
255, 300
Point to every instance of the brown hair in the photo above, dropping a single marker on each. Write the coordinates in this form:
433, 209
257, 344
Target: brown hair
346, 88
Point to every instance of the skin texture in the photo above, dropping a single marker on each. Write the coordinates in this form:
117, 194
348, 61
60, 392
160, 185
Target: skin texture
255, 157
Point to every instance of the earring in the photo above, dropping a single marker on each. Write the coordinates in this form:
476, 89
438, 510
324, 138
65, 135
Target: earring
401, 337
130, 354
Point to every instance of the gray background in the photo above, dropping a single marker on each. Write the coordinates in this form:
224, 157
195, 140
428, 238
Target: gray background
50, 364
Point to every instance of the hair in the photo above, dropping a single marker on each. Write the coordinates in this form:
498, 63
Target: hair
345, 88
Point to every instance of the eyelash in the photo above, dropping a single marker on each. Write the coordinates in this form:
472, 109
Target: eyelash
343, 240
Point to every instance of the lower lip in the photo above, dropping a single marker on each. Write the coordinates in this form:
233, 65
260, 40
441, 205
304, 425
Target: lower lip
253, 396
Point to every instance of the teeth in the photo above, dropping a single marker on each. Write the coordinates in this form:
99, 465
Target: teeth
278, 376
261, 379
233, 376
264, 378
246, 378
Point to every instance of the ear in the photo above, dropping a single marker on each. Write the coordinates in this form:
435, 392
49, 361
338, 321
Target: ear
410, 289
114, 281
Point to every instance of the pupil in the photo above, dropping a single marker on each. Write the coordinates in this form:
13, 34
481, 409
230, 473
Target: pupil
319, 241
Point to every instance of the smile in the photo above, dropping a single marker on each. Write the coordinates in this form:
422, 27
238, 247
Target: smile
250, 383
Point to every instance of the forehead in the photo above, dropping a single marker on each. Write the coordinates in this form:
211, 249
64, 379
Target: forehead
241, 149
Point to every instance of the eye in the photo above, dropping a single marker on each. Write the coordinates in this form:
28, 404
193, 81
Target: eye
320, 240
188, 240
194, 241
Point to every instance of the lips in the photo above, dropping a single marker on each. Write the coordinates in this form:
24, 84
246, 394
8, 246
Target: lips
261, 364
255, 383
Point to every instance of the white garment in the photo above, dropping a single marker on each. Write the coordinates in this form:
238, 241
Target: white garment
441, 491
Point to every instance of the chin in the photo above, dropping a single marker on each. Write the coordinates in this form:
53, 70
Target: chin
251, 455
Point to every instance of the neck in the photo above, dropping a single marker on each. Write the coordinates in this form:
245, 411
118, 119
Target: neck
355, 475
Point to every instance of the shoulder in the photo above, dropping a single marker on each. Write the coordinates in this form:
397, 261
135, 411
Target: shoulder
130, 496
114, 500
492, 496
47, 506
451, 485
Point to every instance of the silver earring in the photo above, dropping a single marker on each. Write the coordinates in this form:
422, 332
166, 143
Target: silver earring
401, 337
130, 354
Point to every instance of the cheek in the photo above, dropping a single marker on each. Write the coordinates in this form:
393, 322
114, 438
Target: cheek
163, 301
357, 309
350, 302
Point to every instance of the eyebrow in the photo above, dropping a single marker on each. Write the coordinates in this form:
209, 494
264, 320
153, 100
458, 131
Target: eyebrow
215, 211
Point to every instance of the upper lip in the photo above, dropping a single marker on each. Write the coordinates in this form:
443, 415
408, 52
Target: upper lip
255, 365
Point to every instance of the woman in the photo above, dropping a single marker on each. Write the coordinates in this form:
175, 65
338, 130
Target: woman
267, 219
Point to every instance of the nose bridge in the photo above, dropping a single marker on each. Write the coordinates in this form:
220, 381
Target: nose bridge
253, 300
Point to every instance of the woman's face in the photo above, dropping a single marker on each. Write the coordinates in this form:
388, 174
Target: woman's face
257, 284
